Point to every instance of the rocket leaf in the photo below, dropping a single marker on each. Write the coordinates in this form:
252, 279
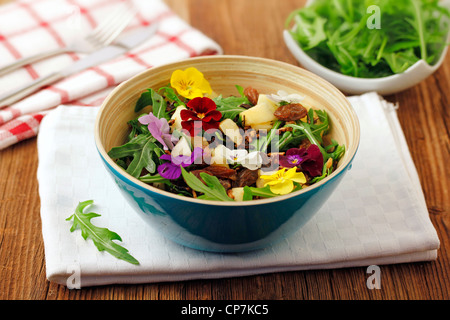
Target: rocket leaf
211, 189
143, 150
152, 98
338, 34
102, 237
230, 106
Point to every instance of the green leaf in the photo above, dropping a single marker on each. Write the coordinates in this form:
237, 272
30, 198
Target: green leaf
266, 140
152, 98
159, 105
171, 95
230, 106
144, 101
317, 130
400, 61
346, 43
213, 190
142, 158
306, 129
143, 150
102, 237
240, 89
148, 178
309, 29
248, 195
137, 128
129, 148
258, 192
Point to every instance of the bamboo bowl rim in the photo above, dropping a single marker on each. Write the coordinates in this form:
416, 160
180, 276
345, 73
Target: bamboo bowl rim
256, 63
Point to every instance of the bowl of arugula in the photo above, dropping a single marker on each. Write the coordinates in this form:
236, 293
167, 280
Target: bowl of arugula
386, 47
226, 153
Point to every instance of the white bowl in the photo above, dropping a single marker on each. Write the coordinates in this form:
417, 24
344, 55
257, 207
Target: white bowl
353, 85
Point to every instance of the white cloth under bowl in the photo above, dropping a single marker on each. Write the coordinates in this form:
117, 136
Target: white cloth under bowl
377, 216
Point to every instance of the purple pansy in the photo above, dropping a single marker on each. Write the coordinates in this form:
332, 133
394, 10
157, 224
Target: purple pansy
309, 160
172, 170
160, 130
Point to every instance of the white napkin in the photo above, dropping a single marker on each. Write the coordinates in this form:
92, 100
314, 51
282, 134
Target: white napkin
377, 216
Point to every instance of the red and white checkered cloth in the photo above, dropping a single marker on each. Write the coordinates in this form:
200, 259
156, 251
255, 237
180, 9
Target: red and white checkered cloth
28, 27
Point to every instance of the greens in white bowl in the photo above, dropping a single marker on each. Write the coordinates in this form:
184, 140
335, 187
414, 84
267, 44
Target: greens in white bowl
385, 46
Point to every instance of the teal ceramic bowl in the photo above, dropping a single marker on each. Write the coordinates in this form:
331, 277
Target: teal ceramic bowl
231, 226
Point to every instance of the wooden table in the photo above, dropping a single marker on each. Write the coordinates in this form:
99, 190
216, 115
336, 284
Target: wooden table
247, 27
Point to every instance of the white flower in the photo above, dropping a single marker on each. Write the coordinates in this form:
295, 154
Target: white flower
284, 96
235, 156
252, 160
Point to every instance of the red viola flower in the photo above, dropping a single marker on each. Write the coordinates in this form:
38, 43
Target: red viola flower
201, 114
309, 160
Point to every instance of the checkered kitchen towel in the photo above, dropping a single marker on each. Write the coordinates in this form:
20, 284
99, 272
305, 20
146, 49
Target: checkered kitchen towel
28, 27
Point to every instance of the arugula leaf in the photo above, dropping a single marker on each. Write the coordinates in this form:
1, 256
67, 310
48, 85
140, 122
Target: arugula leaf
143, 151
241, 90
230, 106
306, 129
250, 192
400, 61
265, 141
172, 96
335, 34
309, 28
148, 178
137, 127
129, 148
102, 237
317, 130
248, 195
142, 158
152, 98
144, 100
213, 190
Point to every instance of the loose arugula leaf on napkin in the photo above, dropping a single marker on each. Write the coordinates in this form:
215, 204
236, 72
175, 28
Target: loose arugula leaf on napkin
102, 237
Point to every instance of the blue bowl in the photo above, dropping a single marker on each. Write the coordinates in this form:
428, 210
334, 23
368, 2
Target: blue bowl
227, 226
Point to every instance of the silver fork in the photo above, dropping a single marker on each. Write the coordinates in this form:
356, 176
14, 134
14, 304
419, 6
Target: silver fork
101, 36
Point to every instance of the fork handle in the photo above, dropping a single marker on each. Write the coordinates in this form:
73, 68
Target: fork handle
31, 59
23, 91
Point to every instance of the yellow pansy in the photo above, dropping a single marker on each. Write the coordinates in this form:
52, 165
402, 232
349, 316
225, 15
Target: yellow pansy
190, 83
282, 181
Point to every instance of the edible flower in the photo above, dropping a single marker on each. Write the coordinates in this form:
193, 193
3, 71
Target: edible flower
309, 160
282, 181
201, 113
190, 83
160, 130
284, 96
172, 170
252, 160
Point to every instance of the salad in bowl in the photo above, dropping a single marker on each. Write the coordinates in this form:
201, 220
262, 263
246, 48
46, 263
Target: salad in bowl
198, 143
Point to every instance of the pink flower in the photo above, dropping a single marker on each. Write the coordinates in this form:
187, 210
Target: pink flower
172, 170
159, 129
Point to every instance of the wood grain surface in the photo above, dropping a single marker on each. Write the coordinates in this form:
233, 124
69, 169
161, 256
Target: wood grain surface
247, 27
